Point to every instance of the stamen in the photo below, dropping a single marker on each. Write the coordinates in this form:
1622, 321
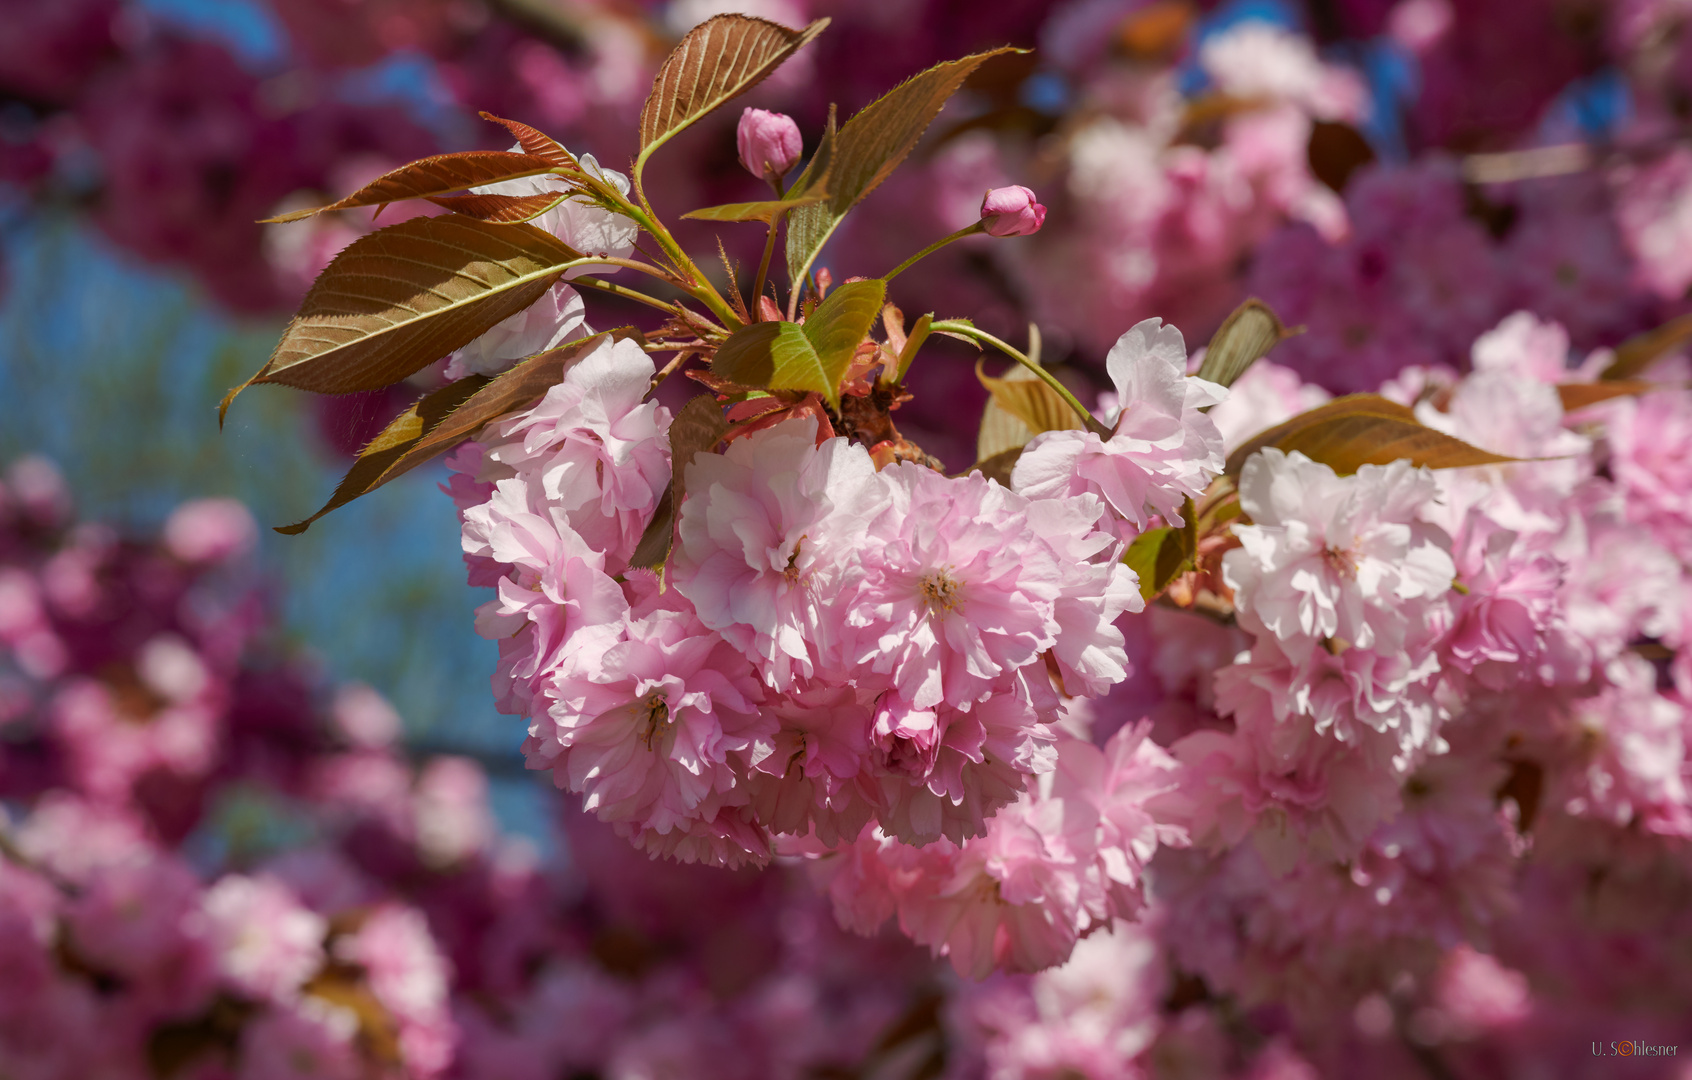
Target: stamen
941, 590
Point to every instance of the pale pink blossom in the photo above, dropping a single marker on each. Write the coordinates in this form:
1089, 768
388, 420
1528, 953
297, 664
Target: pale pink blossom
209, 530
1162, 449
651, 729
1335, 557
593, 448
267, 943
766, 533
411, 979
559, 316
954, 589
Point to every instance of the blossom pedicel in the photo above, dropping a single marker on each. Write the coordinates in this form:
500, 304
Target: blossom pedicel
1219, 706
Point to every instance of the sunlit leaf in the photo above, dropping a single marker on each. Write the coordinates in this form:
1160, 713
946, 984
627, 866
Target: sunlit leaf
722, 57
442, 174
1159, 556
696, 429
399, 299
1037, 406
870, 146
1336, 151
1637, 353
1580, 395
1247, 334
1364, 429
443, 419
536, 143
815, 356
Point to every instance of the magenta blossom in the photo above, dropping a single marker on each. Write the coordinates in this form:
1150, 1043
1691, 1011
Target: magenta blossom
1012, 211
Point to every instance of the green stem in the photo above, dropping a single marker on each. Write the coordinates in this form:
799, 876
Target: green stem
966, 329
769, 248
695, 283
968, 230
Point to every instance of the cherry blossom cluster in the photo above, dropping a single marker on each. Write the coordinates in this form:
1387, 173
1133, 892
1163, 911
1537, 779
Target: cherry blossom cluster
255, 882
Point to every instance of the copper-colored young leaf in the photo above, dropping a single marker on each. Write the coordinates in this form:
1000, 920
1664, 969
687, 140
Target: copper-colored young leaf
504, 209
871, 145
1637, 353
722, 57
1159, 556
536, 143
442, 174
1250, 332
443, 419
1580, 395
1336, 151
1364, 429
815, 356
1028, 399
405, 296
697, 429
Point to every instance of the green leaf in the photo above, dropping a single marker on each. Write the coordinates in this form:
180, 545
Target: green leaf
1364, 429
871, 145
1637, 353
1249, 333
403, 297
1037, 406
438, 175
815, 356
441, 420
722, 57
697, 429
1159, 556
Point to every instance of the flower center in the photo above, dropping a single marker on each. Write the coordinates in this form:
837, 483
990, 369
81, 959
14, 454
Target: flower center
791, 573
1340, 562
940, 590
657, 712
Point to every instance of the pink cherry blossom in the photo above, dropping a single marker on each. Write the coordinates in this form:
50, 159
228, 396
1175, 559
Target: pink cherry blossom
765, 535
1162, 449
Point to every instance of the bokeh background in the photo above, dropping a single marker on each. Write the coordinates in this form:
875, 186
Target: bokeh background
1396, 175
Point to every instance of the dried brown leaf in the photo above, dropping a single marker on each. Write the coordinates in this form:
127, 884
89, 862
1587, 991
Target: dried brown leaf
1637, 353
1580, 395
1364, 429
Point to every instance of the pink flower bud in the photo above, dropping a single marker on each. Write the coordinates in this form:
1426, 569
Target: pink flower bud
1012, 211
768, 141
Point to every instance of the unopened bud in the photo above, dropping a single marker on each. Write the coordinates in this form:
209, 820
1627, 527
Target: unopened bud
769, 142
1012, 211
